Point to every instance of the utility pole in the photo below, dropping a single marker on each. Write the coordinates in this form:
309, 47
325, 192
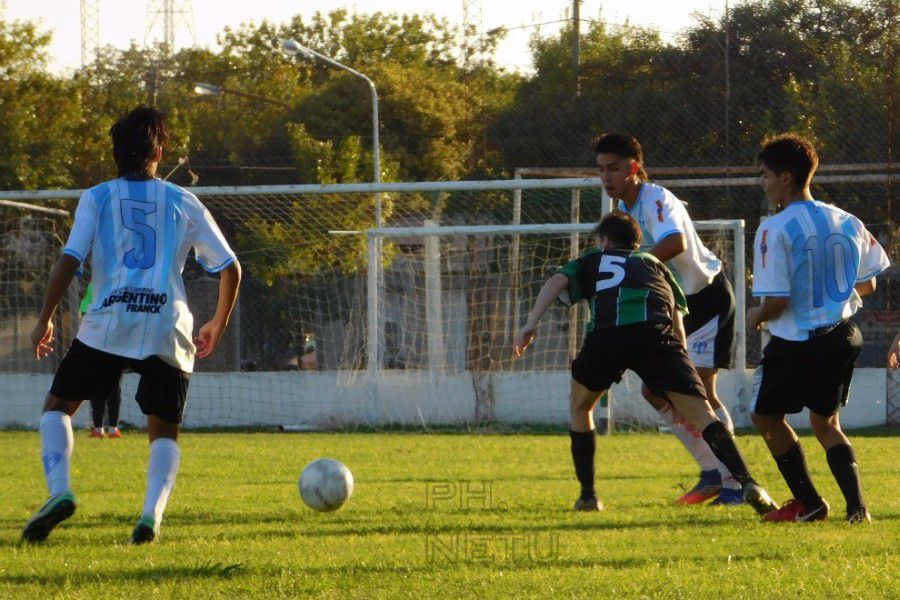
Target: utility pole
576, 45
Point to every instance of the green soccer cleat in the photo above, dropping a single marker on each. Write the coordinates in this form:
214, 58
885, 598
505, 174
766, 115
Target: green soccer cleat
56, 510
145, 531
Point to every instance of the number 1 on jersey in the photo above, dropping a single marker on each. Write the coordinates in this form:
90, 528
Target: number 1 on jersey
134, 218
611, 264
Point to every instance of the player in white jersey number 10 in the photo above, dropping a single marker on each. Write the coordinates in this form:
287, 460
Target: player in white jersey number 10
812, 263
138, 231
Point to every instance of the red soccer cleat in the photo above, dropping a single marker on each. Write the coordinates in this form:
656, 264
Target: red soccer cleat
709, 486
96, 433
115, 433
794, 510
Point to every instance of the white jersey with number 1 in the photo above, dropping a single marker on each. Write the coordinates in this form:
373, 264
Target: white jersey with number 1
813, 253
138, 234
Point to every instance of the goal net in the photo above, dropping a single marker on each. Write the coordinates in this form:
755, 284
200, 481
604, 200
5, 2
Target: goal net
447, 307
408, 325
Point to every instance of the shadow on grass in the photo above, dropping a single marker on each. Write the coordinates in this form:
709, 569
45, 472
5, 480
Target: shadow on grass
210, 570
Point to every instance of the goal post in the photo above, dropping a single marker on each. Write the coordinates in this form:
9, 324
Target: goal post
484, 262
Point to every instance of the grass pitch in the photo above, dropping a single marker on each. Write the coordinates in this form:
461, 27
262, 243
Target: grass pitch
449, 515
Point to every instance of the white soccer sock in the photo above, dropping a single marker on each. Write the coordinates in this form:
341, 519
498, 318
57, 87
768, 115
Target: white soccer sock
164, 458
697, 446
57, 442
728, 480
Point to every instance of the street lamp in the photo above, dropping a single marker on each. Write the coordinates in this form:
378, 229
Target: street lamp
208, 89
295, 49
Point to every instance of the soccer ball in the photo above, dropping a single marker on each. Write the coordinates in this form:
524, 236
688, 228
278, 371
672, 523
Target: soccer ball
325, 484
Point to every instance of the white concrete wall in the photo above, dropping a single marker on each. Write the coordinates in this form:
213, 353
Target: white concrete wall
331, 399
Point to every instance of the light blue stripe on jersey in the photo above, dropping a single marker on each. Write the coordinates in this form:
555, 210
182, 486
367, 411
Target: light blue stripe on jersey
801, 292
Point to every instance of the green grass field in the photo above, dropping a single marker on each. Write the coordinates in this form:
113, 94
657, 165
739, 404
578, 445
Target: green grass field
236, 528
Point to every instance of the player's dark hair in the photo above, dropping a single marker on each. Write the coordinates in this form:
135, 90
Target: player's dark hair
792, 153
135, 138
622, 144
621, 229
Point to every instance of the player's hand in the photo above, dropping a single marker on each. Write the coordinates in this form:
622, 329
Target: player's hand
208, 338
42, 339
753, 320
893, 360
523, 340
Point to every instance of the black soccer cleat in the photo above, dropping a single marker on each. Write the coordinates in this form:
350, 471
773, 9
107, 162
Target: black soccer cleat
758, 498
145, 531
56, 510
862, 515
588, 504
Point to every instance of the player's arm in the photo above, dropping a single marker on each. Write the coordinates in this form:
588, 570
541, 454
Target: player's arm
864, 288
770, 308
60, 278
669, 247
549, 292
209, 335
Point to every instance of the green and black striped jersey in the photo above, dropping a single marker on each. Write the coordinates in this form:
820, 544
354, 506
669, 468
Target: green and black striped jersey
622, 287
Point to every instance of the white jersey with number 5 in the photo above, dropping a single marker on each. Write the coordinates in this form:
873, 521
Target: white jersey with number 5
139, 234
814, 253
661, 214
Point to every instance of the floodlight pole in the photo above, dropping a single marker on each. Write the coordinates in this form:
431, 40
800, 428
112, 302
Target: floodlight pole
208, 89
294, 48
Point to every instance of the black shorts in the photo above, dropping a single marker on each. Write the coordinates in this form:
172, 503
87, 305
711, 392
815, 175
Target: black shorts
709, 324
814, 374
86, 373
649, 349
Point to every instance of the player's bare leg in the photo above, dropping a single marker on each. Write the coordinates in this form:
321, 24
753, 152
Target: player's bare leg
710, 483
161, 473
699, 414
584, 443
783, 443
842, 461
57, 442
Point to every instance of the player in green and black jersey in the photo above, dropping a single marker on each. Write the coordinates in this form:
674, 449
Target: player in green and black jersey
636, 323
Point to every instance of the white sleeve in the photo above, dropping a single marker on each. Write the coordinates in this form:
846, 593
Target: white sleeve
662, 215
82, 235
771, 274
210, 247
872, 257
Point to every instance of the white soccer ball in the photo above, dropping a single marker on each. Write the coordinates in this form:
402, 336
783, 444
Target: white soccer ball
325, 484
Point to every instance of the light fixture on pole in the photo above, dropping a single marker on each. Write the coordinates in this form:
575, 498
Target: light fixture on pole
296, 49
208, 89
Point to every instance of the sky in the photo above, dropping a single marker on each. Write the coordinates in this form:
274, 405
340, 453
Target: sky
124, 21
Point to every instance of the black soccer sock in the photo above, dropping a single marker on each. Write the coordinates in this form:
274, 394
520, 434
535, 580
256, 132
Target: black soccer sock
97, 405
843, 465
792, 465
113, 404
584, 444
721, 442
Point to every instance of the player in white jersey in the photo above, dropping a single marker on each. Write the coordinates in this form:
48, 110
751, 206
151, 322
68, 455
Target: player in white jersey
670, 235
812, 263
138, 231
